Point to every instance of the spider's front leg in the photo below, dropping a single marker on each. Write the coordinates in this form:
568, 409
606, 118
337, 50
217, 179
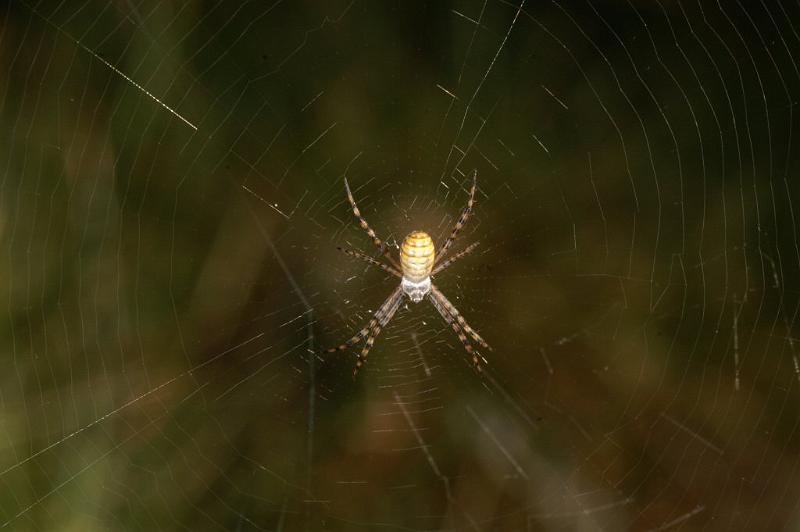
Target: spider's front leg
389, 307
373, 328
441, 304
453, 311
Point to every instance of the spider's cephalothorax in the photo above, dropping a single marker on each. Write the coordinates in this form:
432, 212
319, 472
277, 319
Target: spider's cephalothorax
417, 256
418, 263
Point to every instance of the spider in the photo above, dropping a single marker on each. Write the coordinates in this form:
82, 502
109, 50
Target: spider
418, 263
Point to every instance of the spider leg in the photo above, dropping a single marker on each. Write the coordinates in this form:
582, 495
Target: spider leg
462, 220
360, 335
451, 321
365, 226
394, 302
453, 311
451, 260
370, 260
355, 339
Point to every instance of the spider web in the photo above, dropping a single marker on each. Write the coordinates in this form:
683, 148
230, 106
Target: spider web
172, 199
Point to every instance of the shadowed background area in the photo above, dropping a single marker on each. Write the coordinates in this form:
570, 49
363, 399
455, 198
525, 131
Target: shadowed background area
173, 195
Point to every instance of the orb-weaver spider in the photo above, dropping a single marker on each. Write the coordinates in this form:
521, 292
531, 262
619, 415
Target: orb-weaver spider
418, 262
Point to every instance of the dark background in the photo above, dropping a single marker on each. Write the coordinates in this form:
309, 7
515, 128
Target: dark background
172, 199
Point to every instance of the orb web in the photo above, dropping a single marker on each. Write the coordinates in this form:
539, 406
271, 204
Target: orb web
173, 197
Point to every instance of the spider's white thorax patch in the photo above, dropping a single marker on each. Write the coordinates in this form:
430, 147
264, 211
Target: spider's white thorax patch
416, 291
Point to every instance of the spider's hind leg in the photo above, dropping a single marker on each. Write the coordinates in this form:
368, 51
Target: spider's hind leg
449, 262
462, 220
370, 260
380, 244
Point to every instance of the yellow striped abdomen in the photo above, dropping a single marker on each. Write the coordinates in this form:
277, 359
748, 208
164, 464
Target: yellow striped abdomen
417, 255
